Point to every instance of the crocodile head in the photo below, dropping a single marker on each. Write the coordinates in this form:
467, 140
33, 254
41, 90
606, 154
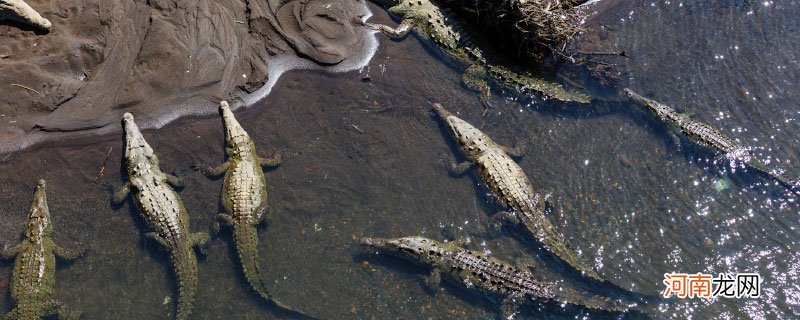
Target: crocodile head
658, 108
137, 151
39, 214
419, 248
234, 133
472, 140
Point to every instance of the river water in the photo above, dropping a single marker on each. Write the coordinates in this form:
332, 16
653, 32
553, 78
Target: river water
363, 156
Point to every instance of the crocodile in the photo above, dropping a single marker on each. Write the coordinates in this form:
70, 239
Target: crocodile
33, 278
19, 11
510, 185
708, 137
244, 195
430, 22
488, 274
163, 210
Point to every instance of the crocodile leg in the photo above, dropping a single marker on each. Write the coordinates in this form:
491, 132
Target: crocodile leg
474, 79
59, 310
270, 162
461, 241
198, 238
461, 168
223, 219
506, 218
157, 238
526, 263
498, 220
262, 212
509, 307
175, 181
434, 280
65, 254
401, 31
212, 172
675, 139
10, 252
516, 151
121, 194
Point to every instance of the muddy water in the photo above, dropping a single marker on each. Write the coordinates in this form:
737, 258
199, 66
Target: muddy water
367, 158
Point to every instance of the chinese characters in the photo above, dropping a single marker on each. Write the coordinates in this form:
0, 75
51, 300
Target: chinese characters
702, 285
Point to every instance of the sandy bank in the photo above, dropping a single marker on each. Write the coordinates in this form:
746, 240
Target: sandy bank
161, 60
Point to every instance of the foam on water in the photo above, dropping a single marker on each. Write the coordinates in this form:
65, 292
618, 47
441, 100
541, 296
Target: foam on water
286, 63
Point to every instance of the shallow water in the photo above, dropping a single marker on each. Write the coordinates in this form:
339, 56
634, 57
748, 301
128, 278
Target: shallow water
623, 193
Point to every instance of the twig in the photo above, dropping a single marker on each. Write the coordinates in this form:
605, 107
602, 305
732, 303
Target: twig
103, 167
605, 53
239, 22
24, 87
357, 129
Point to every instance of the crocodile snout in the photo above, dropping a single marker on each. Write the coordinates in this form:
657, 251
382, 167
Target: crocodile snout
373, 242
441, 111
223, 105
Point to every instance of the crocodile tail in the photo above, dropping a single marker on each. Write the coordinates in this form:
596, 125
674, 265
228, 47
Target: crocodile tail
246, 238
185, 265
546, 232
14, 314
527, 83
247, 247
760, 166
596, 302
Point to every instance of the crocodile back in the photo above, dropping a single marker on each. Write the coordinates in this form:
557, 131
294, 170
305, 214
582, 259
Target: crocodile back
244, 188
707, 136
33, 279
161, 207
491, 275
507, 181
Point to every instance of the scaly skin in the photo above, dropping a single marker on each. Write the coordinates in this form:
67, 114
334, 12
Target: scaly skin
706, 136
510, 184
33, 279
163, 210
19, 11
244, 196
487, 274
430, 22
